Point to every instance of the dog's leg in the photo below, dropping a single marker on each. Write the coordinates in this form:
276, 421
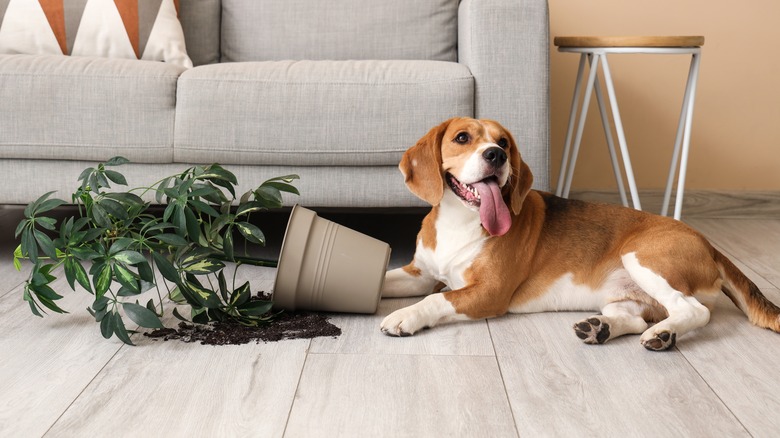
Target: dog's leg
432, 310
686, 313
408, 282
616, 319
468, 303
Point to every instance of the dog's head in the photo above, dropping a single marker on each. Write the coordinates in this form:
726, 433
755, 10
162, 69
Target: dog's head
478, 161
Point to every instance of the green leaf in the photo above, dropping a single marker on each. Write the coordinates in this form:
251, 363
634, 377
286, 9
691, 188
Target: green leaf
223, 290
125, 198
171, 239
100, 304
193, 226
116, 177
46, 296
215, 172
35, 207
146, 272
74, 271
119, 245
18, 257
142, 316
113, 208
202, 207
227, 244
206, 297
250, 207
255, 308
19, 228
269, 196
160, 190
178, 315
45, 243
31, 301
119, 328
29, 247
106, 326
129, 257
166, 268
48, 223
286, 178
226, 184
251, 233
117, 161
205, 266
283, 187
100, 216
102, 280
240, 295
127, 278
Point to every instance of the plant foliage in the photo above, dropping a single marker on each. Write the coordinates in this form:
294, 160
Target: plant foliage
113, 247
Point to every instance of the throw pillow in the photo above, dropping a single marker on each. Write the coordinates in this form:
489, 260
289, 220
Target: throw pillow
133, 29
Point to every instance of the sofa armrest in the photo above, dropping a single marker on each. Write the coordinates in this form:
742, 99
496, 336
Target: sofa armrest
505, 44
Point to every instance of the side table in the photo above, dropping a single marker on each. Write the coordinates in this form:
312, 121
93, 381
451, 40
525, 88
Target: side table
595, 49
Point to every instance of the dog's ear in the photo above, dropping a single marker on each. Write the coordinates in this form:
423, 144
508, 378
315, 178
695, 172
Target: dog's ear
421, 166
521, 180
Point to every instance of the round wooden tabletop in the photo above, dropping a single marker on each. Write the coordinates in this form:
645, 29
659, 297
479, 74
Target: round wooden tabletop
629, 41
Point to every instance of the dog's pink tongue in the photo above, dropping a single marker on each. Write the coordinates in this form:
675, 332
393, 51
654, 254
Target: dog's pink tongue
493, 212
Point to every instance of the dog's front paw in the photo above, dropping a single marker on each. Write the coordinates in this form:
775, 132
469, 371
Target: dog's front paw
658, 340
592, 330
403, 322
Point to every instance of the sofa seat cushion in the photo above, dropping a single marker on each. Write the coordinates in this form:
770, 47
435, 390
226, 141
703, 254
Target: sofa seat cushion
83, 108
349, 113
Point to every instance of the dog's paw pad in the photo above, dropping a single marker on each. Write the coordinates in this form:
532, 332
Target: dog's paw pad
661, 341
592, 331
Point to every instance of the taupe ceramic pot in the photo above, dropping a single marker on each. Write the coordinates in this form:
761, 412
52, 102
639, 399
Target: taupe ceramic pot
327, 267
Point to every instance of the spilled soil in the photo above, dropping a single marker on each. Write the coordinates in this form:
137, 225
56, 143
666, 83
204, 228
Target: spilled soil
288, 325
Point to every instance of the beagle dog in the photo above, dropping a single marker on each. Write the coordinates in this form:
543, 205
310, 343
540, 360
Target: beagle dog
496, 246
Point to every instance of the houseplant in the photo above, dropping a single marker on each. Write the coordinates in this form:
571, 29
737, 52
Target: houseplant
115, 243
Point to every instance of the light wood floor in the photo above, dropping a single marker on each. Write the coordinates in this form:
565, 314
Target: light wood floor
513, 376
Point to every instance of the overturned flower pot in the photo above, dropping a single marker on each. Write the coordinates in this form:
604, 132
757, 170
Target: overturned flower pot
324, 266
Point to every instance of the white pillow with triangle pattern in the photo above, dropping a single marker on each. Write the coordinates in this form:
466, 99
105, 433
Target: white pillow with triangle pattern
131, 29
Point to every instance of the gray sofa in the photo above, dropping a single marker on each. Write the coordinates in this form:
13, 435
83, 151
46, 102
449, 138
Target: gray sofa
334, 91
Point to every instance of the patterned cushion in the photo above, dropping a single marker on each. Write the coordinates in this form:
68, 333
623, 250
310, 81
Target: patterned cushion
132, 29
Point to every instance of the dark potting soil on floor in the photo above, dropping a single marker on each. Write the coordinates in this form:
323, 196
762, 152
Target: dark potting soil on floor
288, 325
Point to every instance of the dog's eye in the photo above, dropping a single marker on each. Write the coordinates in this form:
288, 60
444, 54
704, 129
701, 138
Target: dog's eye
462, 138
502, 143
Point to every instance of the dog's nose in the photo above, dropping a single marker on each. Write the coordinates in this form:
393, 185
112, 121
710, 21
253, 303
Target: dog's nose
495, 156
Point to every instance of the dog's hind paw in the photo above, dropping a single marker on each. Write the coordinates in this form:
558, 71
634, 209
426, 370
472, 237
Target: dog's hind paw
663, 340
592, 330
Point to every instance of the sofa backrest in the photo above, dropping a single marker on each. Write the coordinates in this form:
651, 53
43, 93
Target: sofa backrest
262, 30
200, 20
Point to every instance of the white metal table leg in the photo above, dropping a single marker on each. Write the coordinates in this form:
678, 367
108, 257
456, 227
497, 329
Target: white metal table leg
581, 126
621, 135
570, 128
686, 139
678, 141
610, 143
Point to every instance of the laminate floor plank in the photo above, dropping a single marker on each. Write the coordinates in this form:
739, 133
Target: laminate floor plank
361, 334
370, 395
178, 389
558, 386
45, 363
739, 361
754, 242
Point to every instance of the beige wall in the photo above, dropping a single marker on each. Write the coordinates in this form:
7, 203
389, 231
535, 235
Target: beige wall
736, 127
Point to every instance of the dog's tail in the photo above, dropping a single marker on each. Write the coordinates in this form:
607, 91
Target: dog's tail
746, 295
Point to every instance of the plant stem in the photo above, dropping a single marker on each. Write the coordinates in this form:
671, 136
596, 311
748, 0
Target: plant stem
267, 263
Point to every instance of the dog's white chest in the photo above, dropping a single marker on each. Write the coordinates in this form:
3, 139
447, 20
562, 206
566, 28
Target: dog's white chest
459, 240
